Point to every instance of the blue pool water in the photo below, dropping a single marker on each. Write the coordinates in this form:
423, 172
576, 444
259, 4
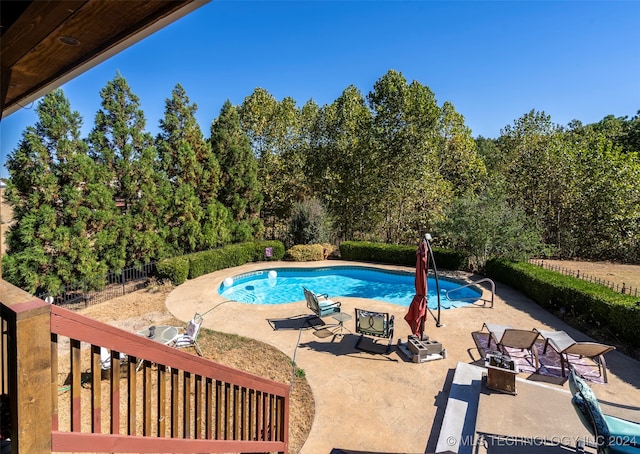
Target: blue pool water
284, 285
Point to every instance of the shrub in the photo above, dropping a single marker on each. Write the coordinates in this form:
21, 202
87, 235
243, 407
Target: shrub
399, 254
486, 226
309, 223
330, 251
190, 266
305, 253
174, 269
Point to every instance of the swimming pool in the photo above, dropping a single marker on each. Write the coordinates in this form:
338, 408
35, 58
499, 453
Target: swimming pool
284, 285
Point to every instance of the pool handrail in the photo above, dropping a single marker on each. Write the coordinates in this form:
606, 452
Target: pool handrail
486, 279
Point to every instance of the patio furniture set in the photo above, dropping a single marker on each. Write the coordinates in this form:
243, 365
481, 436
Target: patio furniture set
164, 334
568, 349
377, 325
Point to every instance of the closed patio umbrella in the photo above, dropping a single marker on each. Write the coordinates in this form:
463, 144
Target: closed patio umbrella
416, 316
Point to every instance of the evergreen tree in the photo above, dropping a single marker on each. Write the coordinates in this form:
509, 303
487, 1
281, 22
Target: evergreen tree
240, 190
125, 153
56, 211
147, 211
195, 219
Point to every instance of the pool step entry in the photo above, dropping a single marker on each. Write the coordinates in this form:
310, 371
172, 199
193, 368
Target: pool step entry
422, 350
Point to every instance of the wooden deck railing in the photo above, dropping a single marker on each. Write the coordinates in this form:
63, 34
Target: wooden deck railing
176, 402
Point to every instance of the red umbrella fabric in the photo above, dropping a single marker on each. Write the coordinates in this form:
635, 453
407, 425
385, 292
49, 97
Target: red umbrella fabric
418, 306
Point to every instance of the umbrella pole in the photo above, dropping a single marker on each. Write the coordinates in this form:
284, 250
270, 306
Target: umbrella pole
431, 257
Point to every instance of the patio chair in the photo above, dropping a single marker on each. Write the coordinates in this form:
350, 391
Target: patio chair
568, 349
190, 337
505, 336
612, 435
374, 324
320, 304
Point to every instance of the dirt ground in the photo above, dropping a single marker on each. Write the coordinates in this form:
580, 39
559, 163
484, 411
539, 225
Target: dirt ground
608, 271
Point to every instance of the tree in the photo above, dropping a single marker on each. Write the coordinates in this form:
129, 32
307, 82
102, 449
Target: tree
537, 165
631, 140
604, 211
240, 189
147, 211
274, 131
491, 155
256, 117
485, 226
310, 223
341, 165
125, 154
193, 221
56, 205
411, 191
460, 164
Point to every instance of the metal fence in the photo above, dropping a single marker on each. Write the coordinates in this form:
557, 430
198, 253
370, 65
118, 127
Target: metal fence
620, 288
112, 285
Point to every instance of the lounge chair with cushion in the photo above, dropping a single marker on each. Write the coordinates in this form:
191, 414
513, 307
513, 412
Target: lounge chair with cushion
375, 324
320, 304
569, 349
505, 336
612, 435
190, 337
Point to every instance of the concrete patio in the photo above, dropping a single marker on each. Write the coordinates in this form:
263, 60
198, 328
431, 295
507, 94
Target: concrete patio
367, 403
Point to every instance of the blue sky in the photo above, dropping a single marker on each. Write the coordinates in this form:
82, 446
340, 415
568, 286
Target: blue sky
495, 61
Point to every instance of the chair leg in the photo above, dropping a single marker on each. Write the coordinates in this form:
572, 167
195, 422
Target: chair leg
364, 349
534, 355
197, 347
602, 368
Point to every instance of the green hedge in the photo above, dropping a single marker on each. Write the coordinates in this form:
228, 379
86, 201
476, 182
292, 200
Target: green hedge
594, 307
175, 269
399, 255
178, 269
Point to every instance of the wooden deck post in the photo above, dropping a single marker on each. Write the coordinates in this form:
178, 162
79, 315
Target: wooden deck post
29, 368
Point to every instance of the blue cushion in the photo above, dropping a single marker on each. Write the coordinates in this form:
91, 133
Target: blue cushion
585, 399
583, 412
328, 307
594, 416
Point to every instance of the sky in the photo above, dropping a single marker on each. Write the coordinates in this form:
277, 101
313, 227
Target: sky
493, 60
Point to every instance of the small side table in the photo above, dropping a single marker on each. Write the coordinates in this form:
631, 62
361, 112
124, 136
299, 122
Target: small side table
164, 334
341, 317
501, 374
